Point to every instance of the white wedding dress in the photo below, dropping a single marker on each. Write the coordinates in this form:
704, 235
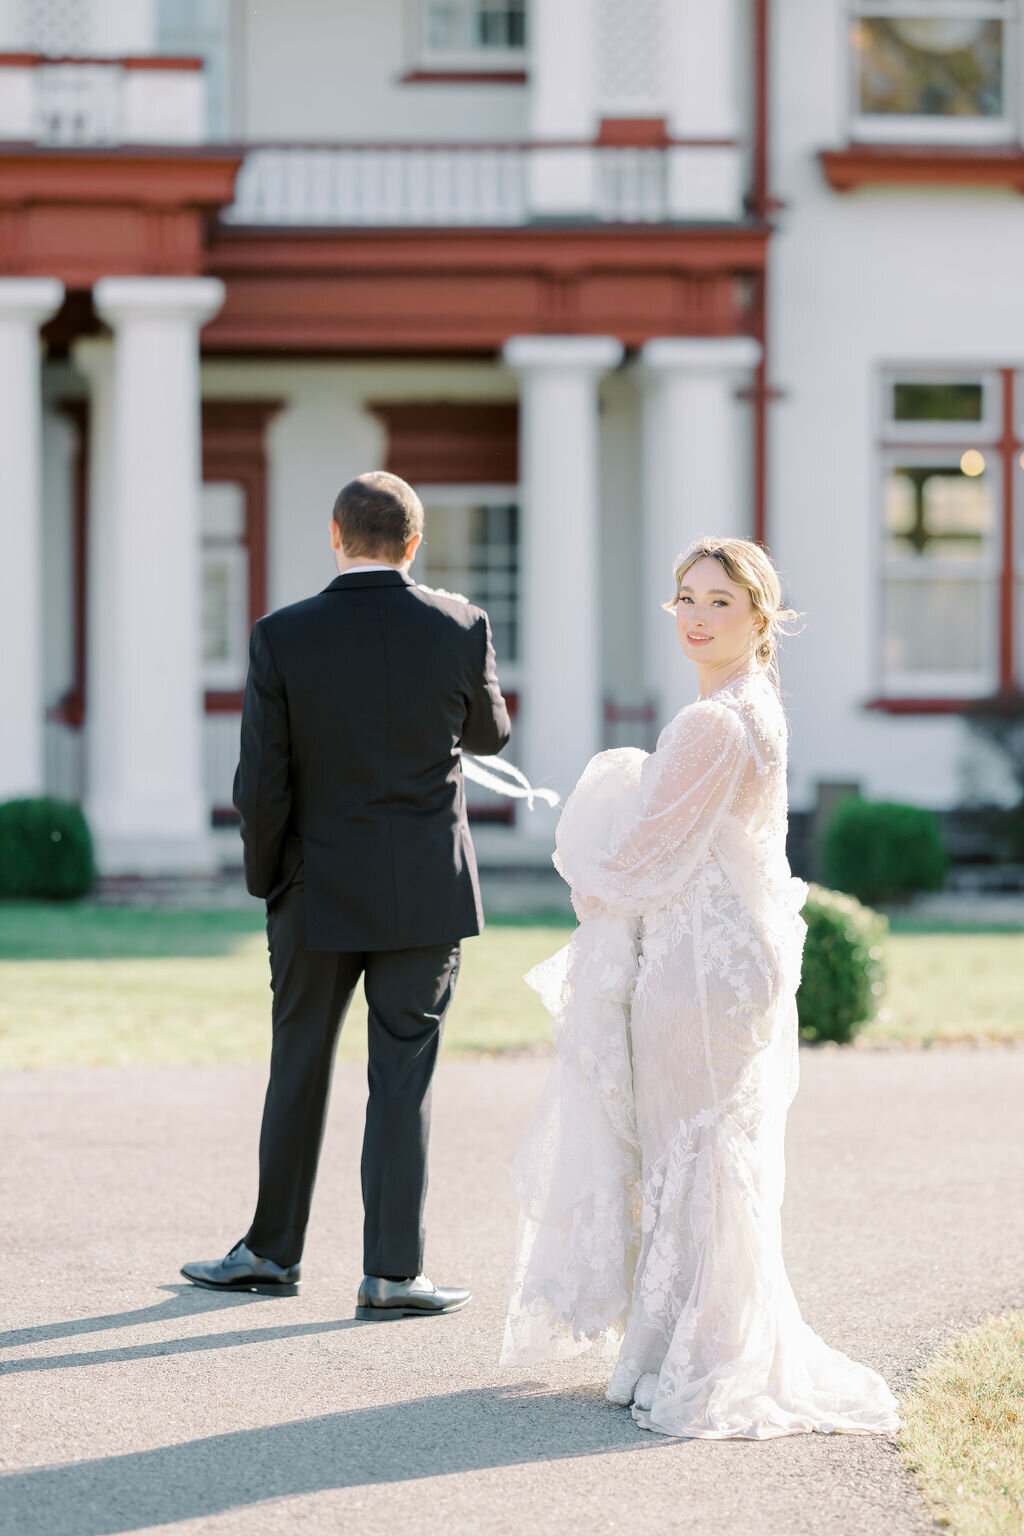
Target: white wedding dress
650, 1181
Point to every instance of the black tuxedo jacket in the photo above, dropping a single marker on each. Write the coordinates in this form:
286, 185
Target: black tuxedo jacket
358, 704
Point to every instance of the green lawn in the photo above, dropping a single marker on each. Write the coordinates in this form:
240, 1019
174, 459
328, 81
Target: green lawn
961, 1434
956, 985
83, 984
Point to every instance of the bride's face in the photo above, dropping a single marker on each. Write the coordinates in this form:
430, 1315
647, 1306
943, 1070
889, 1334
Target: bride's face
715, 618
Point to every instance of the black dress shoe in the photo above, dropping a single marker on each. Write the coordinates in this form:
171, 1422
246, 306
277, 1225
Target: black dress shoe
243, 1270
380, 1299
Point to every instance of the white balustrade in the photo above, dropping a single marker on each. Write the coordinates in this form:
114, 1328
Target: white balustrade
451, 185
381, 185
107, 101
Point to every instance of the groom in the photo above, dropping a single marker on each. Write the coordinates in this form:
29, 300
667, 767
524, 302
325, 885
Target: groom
357, 707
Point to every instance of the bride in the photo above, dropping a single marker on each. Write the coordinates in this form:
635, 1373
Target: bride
650, 1181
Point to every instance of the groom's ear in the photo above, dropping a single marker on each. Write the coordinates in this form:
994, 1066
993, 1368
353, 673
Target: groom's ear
335, 533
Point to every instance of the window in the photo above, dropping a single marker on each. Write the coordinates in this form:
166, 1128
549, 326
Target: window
936, 69
472, 34
225, 587
472, 547
950, 467
203, 28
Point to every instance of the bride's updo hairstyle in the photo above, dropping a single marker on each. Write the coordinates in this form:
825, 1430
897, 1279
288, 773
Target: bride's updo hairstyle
747, 565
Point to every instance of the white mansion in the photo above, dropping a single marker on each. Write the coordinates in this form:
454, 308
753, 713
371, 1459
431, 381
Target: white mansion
595, 275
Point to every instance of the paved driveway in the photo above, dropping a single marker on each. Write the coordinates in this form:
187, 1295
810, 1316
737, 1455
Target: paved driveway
130, 1401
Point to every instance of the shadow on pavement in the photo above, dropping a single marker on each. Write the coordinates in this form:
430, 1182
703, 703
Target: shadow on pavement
184, 1301
427, 1437
186, 1346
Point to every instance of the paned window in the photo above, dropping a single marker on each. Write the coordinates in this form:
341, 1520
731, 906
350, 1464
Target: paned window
202, 28
941, 69
472, 547
950, 469
225, 586
473, 33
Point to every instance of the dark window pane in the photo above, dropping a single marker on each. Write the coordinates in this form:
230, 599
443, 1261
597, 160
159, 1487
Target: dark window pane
937, 512
929, 67
937, 402
474, 550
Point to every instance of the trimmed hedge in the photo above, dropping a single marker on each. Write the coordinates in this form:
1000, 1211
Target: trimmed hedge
878, 851
843, 978
45, 850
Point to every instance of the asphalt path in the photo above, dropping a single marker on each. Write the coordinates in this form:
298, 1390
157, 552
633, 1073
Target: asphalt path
130, 1401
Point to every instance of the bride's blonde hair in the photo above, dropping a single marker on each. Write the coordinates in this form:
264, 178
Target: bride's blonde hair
749, 566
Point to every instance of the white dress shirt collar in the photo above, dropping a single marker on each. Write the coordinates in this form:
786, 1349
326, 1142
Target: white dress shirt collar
354, 570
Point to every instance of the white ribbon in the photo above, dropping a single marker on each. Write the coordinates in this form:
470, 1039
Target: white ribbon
505, 779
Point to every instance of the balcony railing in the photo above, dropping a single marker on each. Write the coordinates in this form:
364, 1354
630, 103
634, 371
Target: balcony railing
153, 100
417, 186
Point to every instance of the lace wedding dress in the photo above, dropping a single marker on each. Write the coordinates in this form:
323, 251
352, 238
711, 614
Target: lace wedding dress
650, 1181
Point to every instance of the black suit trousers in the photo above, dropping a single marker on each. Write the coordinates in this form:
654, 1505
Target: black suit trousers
408, 992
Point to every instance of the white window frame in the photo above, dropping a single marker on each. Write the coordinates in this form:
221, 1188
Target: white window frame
511, 672
469, 60
987, 430
893, 128
232, 551
985, 572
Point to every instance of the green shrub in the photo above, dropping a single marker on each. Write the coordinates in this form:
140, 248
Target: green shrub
878, 851
843, 978
45, 850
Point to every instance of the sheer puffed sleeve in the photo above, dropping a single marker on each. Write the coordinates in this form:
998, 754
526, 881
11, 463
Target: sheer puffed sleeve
686, 790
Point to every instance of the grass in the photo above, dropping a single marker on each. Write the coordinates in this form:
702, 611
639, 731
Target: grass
83, 985
963, 1435
952, 985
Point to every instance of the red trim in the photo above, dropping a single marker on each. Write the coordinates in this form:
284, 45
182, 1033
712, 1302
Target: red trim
633, 133
81, 214
125, 61
234, 450
760, 398
464, 77
759, 202
1009, 446
860, 165
923, 706
223, 701
451, 442
187, 62
457, 289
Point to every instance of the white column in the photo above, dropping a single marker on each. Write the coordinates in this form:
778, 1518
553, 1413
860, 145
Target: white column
146, 801
693, 480
706, 79
561, 705
25, 302
563, 174
94, 357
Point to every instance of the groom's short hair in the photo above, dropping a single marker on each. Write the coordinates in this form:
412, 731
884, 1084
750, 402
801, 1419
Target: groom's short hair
378, 514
